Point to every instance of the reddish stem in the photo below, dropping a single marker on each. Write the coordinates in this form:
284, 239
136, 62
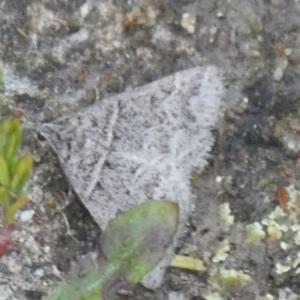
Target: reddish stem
5, 238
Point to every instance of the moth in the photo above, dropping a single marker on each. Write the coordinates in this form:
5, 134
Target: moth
139, 145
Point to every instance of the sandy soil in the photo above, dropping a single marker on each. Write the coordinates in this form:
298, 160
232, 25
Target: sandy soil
59, 56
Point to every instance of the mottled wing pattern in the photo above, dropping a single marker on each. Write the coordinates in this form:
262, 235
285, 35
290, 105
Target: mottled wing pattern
139, 145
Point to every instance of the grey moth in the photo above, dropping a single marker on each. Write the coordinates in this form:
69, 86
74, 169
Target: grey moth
139, 145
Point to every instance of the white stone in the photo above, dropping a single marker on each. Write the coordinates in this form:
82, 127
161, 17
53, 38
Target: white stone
278, 74
26, 215
176, 296
188, 22
85, 9
39, 272
47, 249
219, 179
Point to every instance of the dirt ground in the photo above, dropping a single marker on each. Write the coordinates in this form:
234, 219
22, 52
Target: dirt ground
59, 56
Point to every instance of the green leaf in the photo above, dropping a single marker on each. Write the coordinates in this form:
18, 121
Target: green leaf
133, 244
13, 140
11, 210
89, 287
5, 127
4, 172
4, 196
22, 172
138, 239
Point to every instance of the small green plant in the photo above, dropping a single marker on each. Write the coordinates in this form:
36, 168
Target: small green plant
14, 173
131, 246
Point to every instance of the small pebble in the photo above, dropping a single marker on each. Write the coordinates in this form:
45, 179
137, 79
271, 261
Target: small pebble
284, 246
84, 10
26, 215
188, 22
220, 15
291, 145
39, 272
117, 45
281, 65
56, 272
59, 55
176, 296
288, 51
278, 74
212, 34
47, 249
255, 54
184, 47
219, 179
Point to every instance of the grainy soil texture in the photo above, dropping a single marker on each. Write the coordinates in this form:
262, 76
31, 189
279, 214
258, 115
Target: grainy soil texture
60, 56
